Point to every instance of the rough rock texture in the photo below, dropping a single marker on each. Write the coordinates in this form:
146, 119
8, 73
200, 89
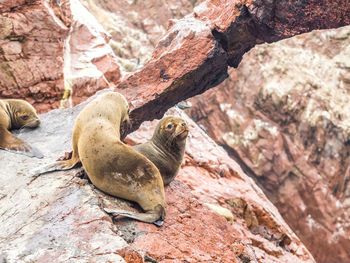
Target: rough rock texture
49, 48
89, 63
194, 54
192, 57
284, 115
58, 217
31, 50
137, 27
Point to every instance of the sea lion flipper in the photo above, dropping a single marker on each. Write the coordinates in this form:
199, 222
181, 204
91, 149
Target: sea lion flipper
36, 153
149, 217
57, 166
13, 144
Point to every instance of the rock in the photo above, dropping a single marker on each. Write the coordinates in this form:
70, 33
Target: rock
137, 27
194, 54
192, 57
31, 50
88, 60
51, 50
284, 116
208, 175
59, 216
221, 211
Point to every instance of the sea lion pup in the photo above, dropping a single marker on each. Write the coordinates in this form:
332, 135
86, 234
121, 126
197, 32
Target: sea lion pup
167, 147
112, 166
16, 114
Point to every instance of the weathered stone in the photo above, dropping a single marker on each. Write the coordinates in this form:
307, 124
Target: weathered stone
50, 50
284, 115
31, 50
194, 54
59, 216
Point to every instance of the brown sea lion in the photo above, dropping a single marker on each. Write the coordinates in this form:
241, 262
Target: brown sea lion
16, 114
167, 147
112, 166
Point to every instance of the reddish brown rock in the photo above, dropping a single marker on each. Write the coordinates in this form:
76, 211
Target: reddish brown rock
51, 49
283, 115
191, 58
194, 54
193, 233
31, 48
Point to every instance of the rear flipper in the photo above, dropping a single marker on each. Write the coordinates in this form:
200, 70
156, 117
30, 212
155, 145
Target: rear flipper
57, 166
154, 216
11, 143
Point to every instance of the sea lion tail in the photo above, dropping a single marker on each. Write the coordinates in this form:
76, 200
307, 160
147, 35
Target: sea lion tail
155, 216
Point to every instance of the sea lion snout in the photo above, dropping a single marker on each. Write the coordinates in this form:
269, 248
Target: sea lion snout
37, 122
33, 124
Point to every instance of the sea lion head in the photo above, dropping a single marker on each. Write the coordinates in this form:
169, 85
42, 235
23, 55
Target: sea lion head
125, 124
22, 114
173, 130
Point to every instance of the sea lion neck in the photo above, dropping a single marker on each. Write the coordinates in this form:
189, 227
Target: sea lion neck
11, 113
166, 145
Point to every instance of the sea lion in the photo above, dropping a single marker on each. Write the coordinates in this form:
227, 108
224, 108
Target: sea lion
16, 114
166, 148
112, 166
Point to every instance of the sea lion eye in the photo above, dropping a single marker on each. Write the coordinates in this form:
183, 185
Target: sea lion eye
183, 124
169, 126
25, 117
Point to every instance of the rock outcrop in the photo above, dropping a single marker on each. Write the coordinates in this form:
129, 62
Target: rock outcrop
196, 51
284, 116
51, 55
52, 49
59, 217
192, 57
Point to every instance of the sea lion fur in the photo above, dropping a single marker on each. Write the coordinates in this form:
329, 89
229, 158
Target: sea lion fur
166, 148
112, 166
17, 114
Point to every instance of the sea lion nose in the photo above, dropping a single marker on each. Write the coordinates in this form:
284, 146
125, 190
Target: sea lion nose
183, 124
37, 122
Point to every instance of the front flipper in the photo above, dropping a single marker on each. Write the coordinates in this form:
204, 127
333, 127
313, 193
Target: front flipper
11, 143
154, 216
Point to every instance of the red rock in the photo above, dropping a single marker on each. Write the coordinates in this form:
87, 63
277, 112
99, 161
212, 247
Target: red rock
33, 63
130, 255
301, 162
194, 233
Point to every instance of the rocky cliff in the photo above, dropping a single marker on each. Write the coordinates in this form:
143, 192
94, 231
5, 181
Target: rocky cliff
191, 57
284, 116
